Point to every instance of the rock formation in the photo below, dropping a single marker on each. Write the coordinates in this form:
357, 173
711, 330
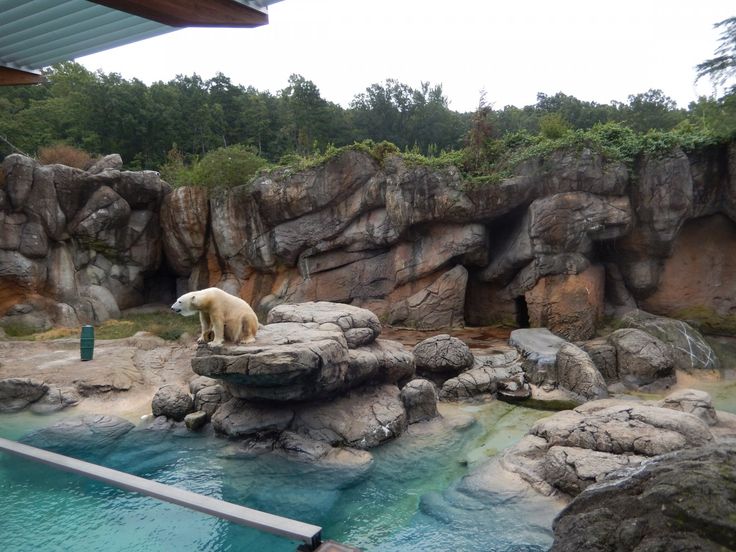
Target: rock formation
566, 237
571, 450
678, 501
76, 246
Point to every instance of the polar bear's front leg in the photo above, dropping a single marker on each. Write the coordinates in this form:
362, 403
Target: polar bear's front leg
218, 328
206, 325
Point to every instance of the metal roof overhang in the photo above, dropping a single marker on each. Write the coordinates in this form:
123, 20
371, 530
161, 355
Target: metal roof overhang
38, 33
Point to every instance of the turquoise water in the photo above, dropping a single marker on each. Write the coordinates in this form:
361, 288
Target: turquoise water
412, 498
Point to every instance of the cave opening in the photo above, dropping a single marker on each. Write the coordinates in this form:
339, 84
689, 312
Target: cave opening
522, 312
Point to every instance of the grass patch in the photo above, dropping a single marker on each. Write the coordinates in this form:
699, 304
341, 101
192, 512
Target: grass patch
168, 326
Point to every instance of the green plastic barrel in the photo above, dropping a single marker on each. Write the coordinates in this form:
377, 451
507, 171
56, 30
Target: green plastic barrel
87, 342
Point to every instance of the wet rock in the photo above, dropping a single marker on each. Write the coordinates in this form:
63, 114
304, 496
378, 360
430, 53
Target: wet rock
173, 402
89, 433
443, 354
196, 420
363, 419
300, 448
420, 400
238, 418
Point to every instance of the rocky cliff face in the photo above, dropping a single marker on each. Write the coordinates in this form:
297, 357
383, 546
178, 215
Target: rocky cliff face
568, 236
77, 246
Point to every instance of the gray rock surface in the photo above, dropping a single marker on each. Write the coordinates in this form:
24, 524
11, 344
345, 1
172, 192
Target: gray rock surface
689, 349
538, 348
679, 501
420, 400
173, 402
363, 419
567, 452
442, 354
238, 418
18, 393
642, 359
55, 399
88, 433
347, 317
692, 401
196, 420
576, 372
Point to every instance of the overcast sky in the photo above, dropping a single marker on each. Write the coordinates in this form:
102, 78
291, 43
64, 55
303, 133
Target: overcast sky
593, 50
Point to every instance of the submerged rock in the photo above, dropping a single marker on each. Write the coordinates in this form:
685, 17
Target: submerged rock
88, 434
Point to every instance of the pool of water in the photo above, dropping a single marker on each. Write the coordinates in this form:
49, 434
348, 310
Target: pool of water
412, 498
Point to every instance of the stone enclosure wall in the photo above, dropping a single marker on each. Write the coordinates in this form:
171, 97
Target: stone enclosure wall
567, 237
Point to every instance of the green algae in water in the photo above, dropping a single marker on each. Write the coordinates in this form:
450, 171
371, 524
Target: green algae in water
410, 500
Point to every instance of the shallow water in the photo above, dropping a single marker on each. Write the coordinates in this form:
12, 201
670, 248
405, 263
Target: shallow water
412, 498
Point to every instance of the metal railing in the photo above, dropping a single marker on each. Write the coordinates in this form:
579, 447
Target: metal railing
310, 535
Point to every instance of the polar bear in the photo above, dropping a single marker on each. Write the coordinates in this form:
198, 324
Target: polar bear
225, 316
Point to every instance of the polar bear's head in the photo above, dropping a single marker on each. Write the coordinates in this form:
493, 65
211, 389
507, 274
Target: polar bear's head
186, 305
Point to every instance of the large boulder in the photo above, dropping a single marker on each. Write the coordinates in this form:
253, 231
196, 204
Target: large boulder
642, 359
18, 393
287, 362
420, 400
360, 326
442, 354
679, 501
363, 419
538, 348
577, 373
570, 305
173, 402
688, 348
573, 449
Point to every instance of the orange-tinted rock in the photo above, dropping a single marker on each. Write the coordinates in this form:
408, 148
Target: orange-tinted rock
569, 305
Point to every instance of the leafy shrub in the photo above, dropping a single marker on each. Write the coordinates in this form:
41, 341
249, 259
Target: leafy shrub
219, 169
553, 126
65, 154
227, 167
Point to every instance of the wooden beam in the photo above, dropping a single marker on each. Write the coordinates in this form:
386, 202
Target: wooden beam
10, 76
191, 13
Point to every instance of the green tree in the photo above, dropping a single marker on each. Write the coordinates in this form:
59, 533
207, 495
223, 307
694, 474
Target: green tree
721, 69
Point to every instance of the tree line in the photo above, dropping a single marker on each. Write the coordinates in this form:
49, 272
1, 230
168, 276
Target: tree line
105, 113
